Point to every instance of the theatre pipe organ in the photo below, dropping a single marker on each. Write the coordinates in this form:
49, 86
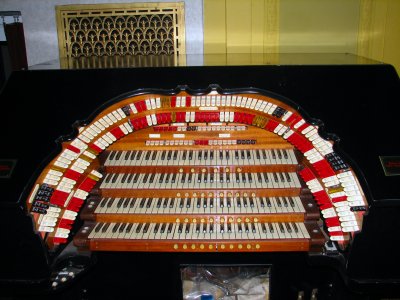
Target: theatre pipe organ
178, 170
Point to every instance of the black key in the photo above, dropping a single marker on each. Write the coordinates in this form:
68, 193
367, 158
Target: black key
197, 228
242, 154
227, 155
183, 177
268, 202
248, 154
120, 201
109, 203
146, 227
291, 201
165, 202
221, 202
107, 178
198, 203
228, 177
246, 227
258, 154
124, 177
204, 202
135, 179
115, 228
140, 225
282, 177
159, 201
112, 155
211, 154
211, 227
244, 177
163, 155
288, 228
169, 155
175, 157
189, 179
118, 155
156, 227
127, 154
266, 177
153, 157
151, 180
130, 177
145, 177
132, 203
103, 202
188, 201
180, 227
264, 154
262, 202
211, 177
162, 230
250, 177
278, 201
187, 229
221, 155
211, 202
171, 202
228, 202
181, 203
147, 157
133, 154
122, 227
190, 154
238, 204
278, 151
199, 178
237, 178
199, 155
142, 202
236, 154
240, 228
251, 202
173, 178
259, 178
276, 179
205, 154
288, 179
281, 227
98, 226
285, 154
148, 203
296, 229
245, 204
273, 153
229, 227
105, 227
167, 178
184, 155
221, 177
205, 177
139, 154
271, 228
114, 178
264, 229
285, 203
128, 228
161, 179
169, 229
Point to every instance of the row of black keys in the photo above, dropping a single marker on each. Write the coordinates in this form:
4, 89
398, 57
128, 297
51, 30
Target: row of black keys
202, 154
187, 202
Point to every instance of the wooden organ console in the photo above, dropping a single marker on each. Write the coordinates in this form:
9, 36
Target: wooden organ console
217, 171
206, 172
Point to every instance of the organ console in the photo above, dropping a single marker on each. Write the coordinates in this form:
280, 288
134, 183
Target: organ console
209, 173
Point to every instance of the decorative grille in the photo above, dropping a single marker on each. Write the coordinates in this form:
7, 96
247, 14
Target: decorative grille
121, 29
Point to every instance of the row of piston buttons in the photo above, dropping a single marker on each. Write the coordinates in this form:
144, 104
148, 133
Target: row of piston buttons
217, 246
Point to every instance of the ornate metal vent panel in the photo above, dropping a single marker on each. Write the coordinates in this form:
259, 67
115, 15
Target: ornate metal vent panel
121, 29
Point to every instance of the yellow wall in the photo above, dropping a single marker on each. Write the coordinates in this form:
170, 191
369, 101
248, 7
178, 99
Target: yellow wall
369, 28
